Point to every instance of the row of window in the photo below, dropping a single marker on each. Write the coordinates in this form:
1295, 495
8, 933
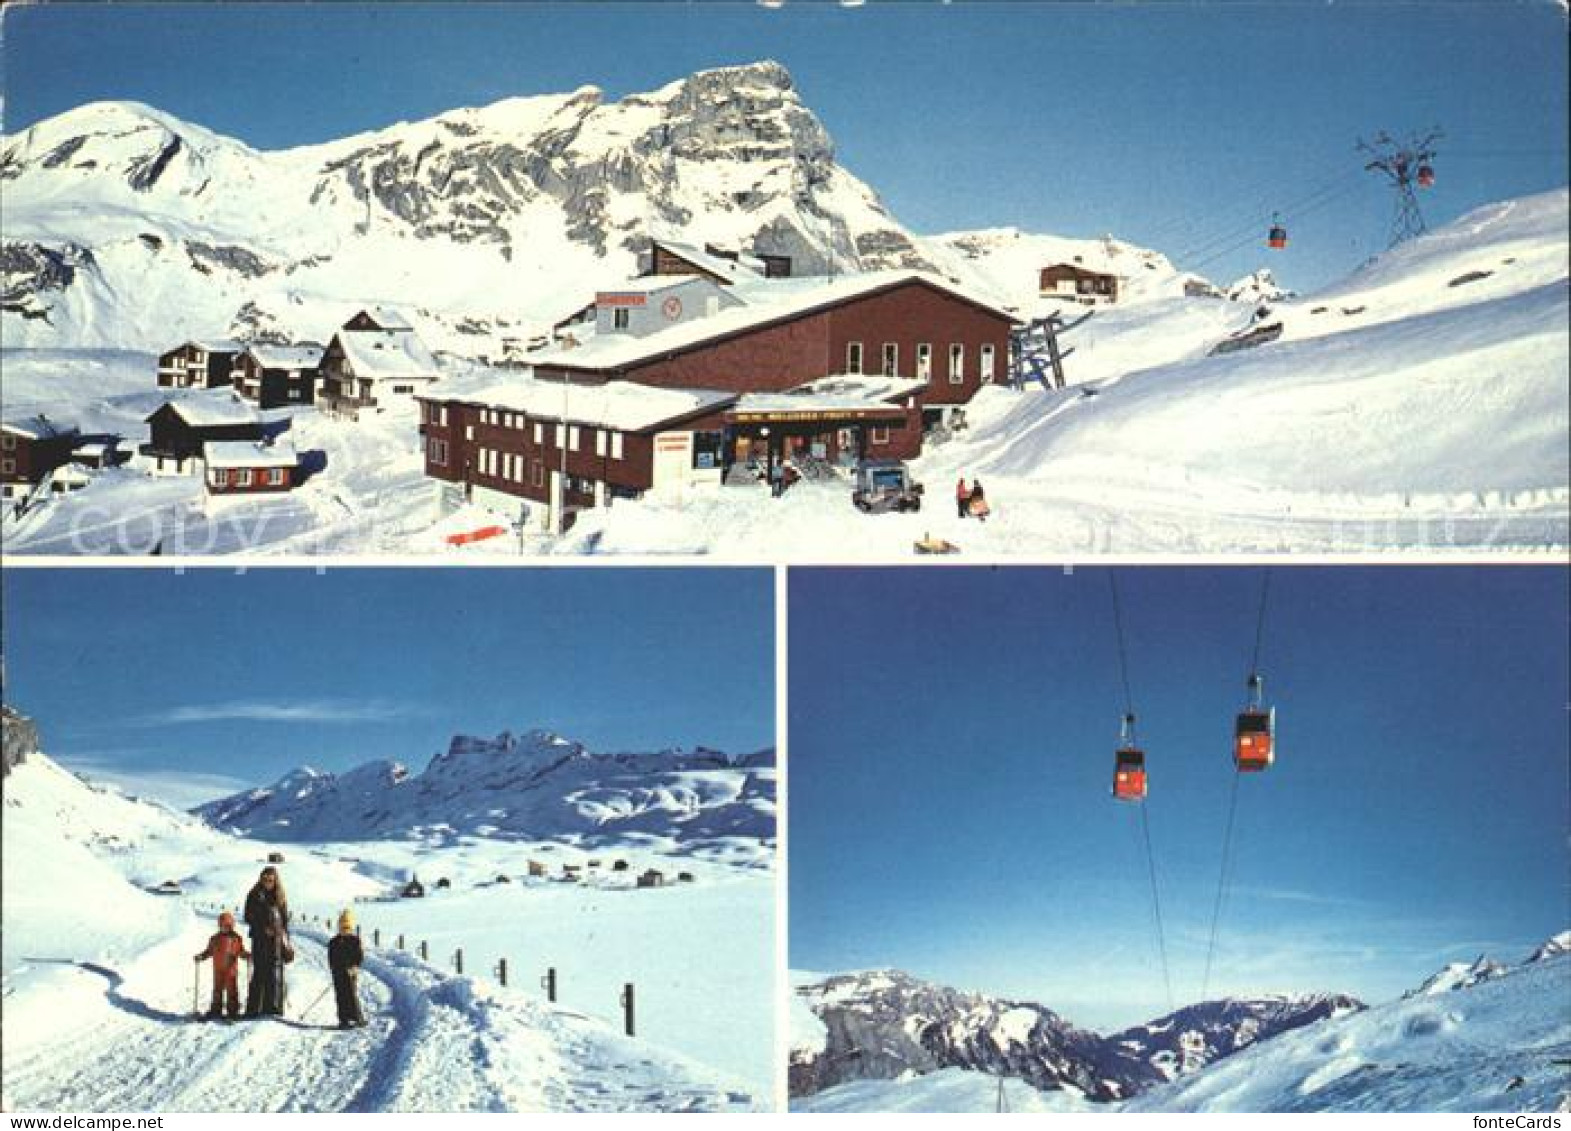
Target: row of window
244, 477
924, 361
510, 466
607, 443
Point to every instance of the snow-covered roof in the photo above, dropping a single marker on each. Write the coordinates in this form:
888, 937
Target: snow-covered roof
250, 453
836, 393
39, 427
212, 408
286, 357
652, 284
766, 306
387, 317
717, 264
96, 450
387, 353
211, 345
624, 406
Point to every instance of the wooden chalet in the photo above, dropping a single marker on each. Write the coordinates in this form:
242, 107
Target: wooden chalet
720, 265
250, 467
275, 376
30, 448
1075, 282
372, 370
207, 364
179, 430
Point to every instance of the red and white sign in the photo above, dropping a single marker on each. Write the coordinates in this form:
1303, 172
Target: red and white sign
672, 308
611, 299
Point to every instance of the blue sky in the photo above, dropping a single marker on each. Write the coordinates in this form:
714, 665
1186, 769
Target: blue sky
239, 677
1182, 126
951, 744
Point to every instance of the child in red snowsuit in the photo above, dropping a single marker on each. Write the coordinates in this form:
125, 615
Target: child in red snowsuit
226, 949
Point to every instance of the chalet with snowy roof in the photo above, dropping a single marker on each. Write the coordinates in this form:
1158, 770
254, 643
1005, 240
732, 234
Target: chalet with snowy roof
384, 318
248, 467
274, 376
1075, 282
206, 364
30, 448
372, 370
833, 371
719, 265
180, 429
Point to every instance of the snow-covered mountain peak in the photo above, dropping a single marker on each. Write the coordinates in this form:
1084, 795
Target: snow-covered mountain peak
1557, 945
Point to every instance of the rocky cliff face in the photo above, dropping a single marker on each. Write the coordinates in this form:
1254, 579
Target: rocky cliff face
505, 210
18, 739
881, 1024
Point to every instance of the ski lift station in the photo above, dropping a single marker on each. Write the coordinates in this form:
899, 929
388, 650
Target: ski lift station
713, 368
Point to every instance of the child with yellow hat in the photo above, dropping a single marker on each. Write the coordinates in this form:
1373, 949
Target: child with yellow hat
344, 957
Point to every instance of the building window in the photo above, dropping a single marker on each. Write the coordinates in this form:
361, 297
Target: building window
619, 318
537, 473
243, 477
275, 477
957, 363
469, 431
891, 359
559, 432
924, 361
853, 358
8, 443
539, 433
879, 435
987, 364
616, 445
599, 442
572, 438
436, 451
219, 477
403, 388
8, 467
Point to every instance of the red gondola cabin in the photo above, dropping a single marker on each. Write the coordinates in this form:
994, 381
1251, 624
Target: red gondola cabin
1277, 237
1254, 746
1426, 175
1129, 774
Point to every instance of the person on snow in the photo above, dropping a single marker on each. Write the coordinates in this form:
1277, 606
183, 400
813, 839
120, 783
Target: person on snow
962, 497
978, 502
226, 949
267, 920
344, 956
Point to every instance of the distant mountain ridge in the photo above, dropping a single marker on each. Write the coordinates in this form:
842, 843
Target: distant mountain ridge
532, 785
127, 227
885, 1023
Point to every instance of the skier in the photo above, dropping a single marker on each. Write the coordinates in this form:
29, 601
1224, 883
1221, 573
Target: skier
226, 949
962, 497
344, 956
978, 502
267, 919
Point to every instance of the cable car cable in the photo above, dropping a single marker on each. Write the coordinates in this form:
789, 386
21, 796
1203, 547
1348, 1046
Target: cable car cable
1221, 885
1145, 822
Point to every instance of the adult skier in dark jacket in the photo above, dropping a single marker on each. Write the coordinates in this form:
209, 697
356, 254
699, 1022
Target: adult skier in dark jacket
267, 919
344, 957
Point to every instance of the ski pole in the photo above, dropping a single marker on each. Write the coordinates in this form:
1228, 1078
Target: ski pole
314, 1004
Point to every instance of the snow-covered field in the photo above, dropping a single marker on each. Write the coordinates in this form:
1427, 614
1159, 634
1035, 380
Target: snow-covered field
948, 1090
98, 973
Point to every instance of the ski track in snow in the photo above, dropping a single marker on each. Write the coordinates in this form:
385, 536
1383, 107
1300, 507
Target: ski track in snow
432, 1044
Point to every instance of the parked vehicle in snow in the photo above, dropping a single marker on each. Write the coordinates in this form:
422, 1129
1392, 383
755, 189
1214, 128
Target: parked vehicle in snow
885, 485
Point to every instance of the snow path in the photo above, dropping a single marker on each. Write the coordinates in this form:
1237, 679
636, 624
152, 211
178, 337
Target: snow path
434, 1043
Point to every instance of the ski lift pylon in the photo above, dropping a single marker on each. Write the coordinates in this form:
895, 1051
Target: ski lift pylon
1254, 737
1129, 765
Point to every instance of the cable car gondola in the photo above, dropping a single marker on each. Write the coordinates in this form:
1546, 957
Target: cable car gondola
1277, 237
1426, 175
1254, 738
1129, 765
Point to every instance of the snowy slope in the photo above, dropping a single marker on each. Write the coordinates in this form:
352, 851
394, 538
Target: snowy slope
1498, 1045
947, 1090
98, 974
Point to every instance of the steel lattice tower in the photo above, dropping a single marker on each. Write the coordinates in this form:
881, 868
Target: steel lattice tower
1404, 165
